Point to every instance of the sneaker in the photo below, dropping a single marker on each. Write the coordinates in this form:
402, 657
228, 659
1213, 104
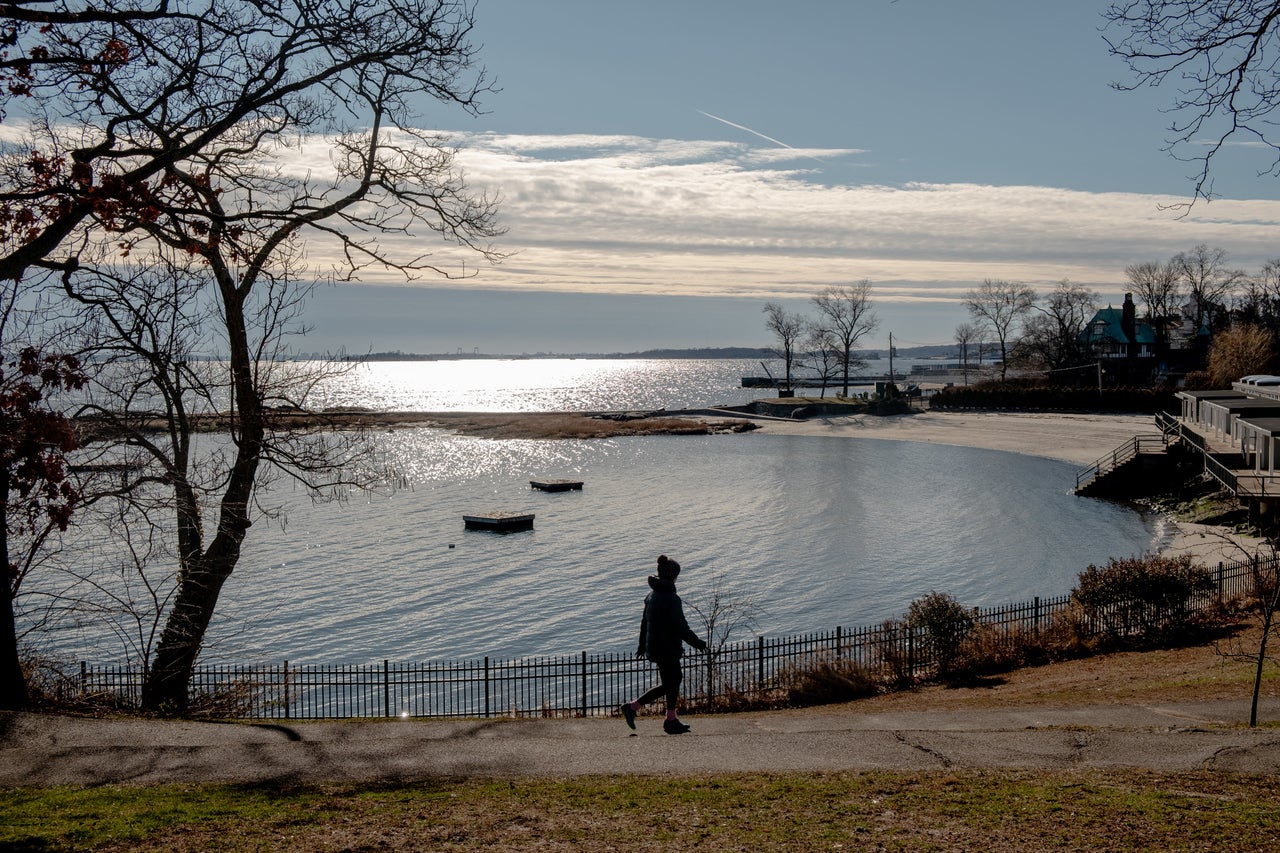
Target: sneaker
628, 714
674, 727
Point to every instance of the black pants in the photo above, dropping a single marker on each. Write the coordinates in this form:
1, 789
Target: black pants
671, 675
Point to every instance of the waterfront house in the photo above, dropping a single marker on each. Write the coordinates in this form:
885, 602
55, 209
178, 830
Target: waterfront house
1117, 333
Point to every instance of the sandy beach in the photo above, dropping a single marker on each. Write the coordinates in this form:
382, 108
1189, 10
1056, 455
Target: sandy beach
1080, 439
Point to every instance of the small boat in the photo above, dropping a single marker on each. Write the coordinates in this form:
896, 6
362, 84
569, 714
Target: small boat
555, 485
500, 521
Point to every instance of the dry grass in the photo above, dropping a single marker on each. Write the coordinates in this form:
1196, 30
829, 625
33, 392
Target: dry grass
1210, 671
945, 810
481, 424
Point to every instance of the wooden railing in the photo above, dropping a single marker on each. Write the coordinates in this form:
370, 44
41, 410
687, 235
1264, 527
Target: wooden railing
1122, 454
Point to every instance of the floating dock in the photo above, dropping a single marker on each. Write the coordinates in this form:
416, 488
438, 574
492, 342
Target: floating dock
499, 521
556, 485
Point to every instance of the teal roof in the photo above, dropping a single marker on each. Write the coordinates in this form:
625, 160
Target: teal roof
1113, 328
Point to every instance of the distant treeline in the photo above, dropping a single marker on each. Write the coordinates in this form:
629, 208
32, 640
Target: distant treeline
693, 352
1014, 396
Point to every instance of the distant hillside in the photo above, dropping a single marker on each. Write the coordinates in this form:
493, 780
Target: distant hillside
698, 352
691, 352
936, 351
708, 352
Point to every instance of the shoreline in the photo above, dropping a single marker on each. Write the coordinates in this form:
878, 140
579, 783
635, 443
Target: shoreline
1076, 438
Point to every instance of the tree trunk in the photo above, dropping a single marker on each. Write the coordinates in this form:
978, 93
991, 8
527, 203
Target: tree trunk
1257, 676
169, 678
168, 681
13, 684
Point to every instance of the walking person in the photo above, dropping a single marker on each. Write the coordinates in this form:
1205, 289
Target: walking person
663, 632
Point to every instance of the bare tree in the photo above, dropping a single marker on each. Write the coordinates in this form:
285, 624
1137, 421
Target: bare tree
168, 143
824, 353
845, 314
1053, 338
1159, 287
1219, 57
1000, 306
967, 335
789, 329
119, 94
1259, 303
722, 612
1262, 600
1207, 280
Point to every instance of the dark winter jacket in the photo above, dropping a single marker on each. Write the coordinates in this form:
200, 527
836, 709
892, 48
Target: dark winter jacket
664, 627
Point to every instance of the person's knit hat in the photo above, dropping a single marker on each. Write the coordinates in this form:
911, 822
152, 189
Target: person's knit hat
668, 569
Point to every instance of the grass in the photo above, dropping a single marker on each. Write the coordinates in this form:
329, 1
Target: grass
1015, 810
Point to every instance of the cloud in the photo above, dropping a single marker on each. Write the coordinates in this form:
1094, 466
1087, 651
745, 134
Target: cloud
621, 213
613, 213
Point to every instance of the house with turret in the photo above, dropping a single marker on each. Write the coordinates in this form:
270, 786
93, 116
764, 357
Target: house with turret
1134, 349
1117, 333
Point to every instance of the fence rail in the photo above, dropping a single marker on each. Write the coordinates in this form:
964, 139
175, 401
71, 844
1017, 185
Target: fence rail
583, 684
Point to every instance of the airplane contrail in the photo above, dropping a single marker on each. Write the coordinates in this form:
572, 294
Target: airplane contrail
748, 130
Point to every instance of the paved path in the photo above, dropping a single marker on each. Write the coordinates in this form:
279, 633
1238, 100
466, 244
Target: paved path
41, 750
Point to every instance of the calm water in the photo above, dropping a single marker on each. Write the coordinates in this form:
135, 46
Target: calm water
818, 531
548, 385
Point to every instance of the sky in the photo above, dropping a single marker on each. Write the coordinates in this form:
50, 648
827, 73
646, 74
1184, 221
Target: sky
666, 168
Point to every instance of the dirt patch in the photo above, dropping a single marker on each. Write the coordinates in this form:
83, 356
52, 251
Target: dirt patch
578, 425
482, 424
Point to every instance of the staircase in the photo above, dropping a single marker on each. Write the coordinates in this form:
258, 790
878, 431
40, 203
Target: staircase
1112, 473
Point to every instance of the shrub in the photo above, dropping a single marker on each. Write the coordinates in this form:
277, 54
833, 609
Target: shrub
1067, 635
827, 680
946, 623
1032, 396
1147, 595
988, 650
895, 653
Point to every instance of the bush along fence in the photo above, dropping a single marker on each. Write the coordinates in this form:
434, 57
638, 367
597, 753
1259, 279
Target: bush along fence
764, 672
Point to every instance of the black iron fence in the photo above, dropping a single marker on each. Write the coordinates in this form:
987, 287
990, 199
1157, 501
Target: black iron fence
584, 684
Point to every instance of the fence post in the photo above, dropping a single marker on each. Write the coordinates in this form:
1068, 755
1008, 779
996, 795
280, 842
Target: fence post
839, 642
711, 690
1035, 616
84, 679
1221, 581
584, 682
486, 685
386, 688
911, 651
760, 665
288, 709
